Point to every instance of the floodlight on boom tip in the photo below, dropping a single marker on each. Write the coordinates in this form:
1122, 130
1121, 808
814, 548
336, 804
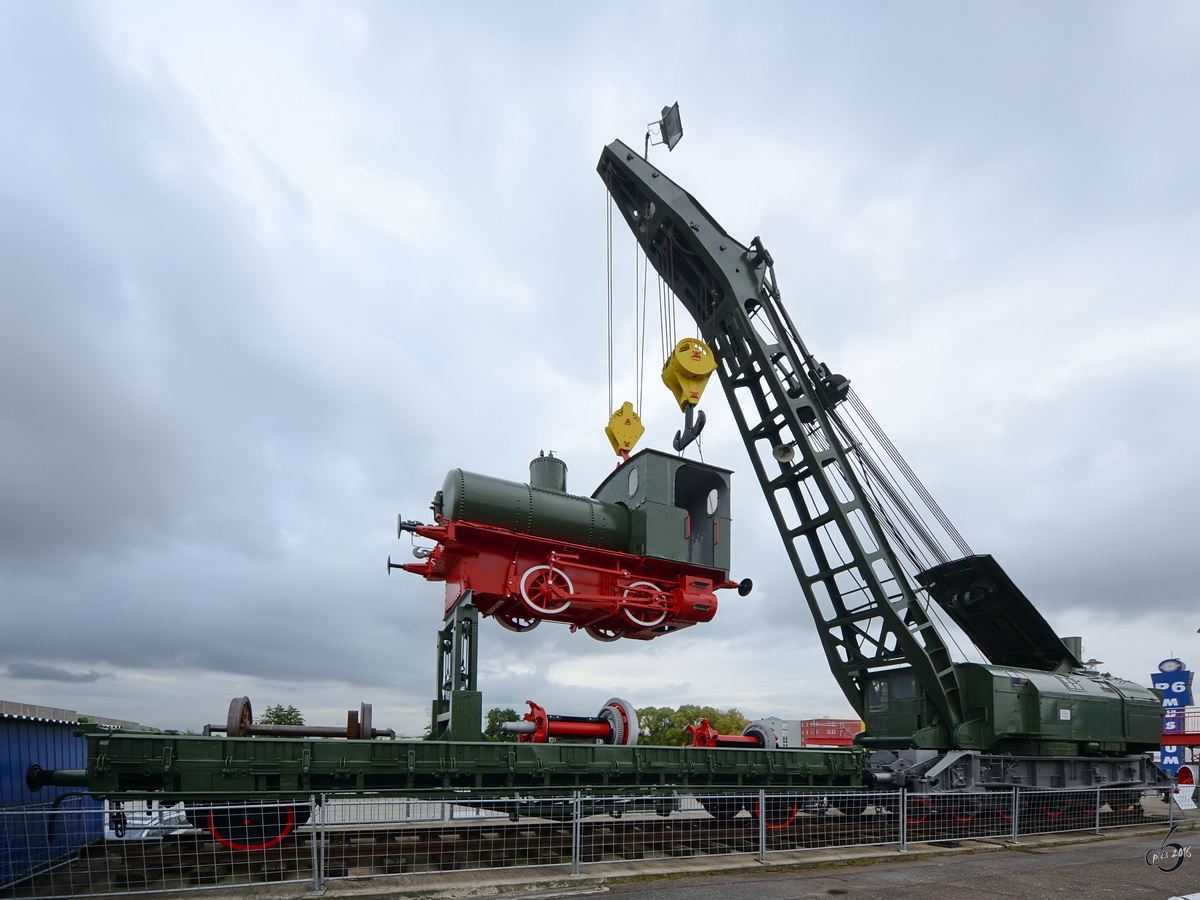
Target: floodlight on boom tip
670, 129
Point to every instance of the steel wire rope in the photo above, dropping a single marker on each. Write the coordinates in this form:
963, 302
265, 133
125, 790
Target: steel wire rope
610, 304
637, 400
927, 602
867, 456
889, 526
928, 605
903, 541
671, 289
863, 453
909, 475
641, 389
663, 327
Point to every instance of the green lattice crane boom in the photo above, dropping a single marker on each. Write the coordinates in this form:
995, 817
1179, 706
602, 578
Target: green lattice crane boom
870, 564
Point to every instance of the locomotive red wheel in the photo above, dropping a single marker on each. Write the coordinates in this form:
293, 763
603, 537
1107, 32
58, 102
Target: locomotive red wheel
544, 588
604, 633
644, 618
519, 624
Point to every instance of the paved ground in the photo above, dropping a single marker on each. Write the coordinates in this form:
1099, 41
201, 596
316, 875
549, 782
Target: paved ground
1116, 869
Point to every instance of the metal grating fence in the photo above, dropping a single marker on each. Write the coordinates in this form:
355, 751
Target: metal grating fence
39, 840
146, 848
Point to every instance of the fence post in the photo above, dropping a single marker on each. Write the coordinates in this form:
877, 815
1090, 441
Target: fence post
575, 832
314, 843
1016, 813
319, 847
762, 826
903, 820
1097, 809
1171, 806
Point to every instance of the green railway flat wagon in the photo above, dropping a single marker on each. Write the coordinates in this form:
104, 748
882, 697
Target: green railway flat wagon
213, 769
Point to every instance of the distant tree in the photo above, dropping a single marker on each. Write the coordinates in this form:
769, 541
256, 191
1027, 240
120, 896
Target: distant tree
494, 717
665, 727
278, 715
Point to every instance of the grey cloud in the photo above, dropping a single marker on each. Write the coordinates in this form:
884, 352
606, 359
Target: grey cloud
38, 672
218, 387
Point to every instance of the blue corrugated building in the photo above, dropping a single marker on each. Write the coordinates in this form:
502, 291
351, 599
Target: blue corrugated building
36, 830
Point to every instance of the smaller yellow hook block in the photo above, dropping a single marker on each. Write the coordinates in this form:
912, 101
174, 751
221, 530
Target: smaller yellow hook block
624, 430
687, 371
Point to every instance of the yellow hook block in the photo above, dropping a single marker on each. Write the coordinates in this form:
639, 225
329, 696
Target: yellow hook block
624, 430
687, 371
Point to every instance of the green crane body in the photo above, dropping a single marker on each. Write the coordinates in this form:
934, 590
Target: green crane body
1037, 698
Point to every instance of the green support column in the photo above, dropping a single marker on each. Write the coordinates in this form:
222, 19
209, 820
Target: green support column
458, 709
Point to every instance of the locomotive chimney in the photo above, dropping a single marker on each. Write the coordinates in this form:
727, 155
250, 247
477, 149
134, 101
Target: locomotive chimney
548, 473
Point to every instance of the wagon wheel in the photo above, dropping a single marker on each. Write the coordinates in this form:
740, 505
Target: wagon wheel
1053, 807
723, 809
1127, 801
240, 717
962, 808
917, 810
605, 633
253, 827
1006, 814
644, 618
780, 812
544, 590
519, 624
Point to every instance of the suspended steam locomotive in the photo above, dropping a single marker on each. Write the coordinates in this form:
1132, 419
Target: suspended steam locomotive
642, 557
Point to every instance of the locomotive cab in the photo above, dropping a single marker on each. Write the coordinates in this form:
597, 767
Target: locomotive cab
679, 508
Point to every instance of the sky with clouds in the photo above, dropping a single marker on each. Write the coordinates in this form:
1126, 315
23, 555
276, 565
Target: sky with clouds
268, 271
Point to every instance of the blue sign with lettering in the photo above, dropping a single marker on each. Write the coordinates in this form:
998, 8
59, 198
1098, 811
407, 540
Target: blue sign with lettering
1176, 688
1170, 759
